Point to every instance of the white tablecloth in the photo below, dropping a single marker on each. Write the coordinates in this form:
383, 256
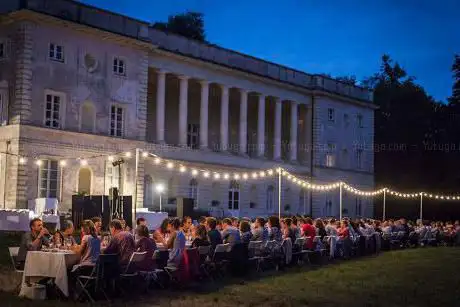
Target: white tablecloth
40, 205
50, 264
154, 219
15, 220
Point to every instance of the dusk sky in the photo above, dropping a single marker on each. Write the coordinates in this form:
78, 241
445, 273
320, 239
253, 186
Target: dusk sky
334, 36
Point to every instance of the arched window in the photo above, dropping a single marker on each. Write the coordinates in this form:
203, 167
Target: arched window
148, 191
193, 191
234, 196
327, 211
87, 117
270, 198
84, 181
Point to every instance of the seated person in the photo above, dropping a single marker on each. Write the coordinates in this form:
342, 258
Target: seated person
176, 243
245, 232
160, 234
200, 237
122, 243
230, 233
97, 221
33, 240
145, 244
260, 232
67, 233
90, 246
214, 235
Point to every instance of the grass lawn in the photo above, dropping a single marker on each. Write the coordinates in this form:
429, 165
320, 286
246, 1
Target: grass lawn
415, 277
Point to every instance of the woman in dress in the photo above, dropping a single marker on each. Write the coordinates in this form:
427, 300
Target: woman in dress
176, 243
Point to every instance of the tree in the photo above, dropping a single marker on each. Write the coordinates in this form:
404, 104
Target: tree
189, 24
351, 80
455, 98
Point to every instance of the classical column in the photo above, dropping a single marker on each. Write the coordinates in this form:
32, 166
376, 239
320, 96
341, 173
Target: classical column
293, 135
261, 127
277, 141
204, 114
224, 119
161, 90
183, 102
243, 139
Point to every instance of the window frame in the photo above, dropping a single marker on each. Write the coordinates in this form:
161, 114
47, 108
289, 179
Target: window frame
62, 108
193, 191
123, 119
5, 49
116, 66
191, 134
4, 107
52, 52
234, 189
330, 115
46, 165
359, 158
360, 120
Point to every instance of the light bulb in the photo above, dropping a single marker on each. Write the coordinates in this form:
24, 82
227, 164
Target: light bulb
216, 175
22, 160
39, 162
206, 174
170, 165
63, 163
110, 158
194, 172
182, 169
145, 154
83, 162
128, 154
226, 176
157, 160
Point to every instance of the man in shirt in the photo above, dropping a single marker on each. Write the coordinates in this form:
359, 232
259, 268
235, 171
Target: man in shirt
33, 240
122, 243
213, 234
67, 232
230, 234
259, 233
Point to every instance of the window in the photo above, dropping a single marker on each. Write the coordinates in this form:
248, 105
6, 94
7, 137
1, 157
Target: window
119, 66
53, 111
359, 158
345, 158
56, 52
2, 50
253, 197
193, 192
3, 109
193, 135
331, 115
358, 207
148, 191
302, 202
116, 121
359, 118
346, 120
330, 155
327, 211
234, 196
48, 179
113, 177
270, 198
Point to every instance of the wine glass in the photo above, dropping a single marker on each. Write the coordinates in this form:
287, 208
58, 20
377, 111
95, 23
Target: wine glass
58, 243
51, 245
68, 243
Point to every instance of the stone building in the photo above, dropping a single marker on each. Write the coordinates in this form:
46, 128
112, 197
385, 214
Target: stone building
80, 86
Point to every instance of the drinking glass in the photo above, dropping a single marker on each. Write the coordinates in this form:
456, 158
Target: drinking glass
68, 243
58, 243
51, 245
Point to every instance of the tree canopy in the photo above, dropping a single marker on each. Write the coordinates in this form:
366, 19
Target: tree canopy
189, 24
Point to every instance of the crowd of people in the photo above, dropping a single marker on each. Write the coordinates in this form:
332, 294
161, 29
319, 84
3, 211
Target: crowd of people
175, 235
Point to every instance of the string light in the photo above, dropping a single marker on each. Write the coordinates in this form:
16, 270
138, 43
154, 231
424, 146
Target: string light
261, 174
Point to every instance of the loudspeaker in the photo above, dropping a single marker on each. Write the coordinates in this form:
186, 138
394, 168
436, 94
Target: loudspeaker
87, 207
184, 207
127, 204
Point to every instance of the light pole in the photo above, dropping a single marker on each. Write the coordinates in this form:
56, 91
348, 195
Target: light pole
160, 188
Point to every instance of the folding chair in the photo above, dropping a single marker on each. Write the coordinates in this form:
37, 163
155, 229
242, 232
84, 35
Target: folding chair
220, 258
298, 250
106, 270
131, 271
204, 254
255, 253
14, 251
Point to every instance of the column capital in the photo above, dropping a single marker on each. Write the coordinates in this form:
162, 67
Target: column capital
161, 71
277, 99
243, 91
183, 77
204, 82
224, 87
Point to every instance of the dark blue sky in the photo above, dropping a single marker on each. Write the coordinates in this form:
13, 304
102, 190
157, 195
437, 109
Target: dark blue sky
327, 36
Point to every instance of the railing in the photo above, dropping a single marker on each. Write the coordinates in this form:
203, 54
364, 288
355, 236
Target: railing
119, 24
